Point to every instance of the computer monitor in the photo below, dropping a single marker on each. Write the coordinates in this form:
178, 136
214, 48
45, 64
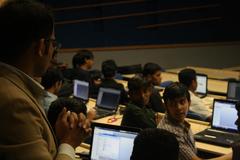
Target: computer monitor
202, 83
80, 89
224, 115
233, 90
111, 142
108, 98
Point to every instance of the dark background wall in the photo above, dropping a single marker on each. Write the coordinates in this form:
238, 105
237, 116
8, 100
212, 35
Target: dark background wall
107, 23
100, 24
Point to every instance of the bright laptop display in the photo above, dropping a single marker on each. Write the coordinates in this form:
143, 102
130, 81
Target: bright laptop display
202, 84
233, 91
81, 89
224, 115
223, 130
112, 142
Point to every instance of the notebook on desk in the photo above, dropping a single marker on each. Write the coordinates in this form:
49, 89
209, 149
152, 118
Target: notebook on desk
233, 90
202, 84
107, 102
223, 130
81, 90
112, 142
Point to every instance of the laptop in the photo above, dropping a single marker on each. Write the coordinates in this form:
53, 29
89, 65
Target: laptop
202, 84
233, 90
81, 90
223, 131
107, 102
111, 142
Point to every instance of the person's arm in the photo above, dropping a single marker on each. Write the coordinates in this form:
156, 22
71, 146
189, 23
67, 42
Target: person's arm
71, 130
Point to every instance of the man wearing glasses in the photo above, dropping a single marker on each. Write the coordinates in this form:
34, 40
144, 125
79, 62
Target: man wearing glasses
27, 43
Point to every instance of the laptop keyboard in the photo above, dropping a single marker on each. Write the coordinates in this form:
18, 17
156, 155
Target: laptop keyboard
217, 137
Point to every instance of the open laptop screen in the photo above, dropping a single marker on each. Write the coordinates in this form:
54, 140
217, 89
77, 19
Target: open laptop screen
112, 143
233, 91
201, 84
224, 115
81, 89
108, 98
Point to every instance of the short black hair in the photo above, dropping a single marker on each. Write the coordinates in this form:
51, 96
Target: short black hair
150, 69
109, 68
50, 77
186, 76
137, 84
155, 143
22, 23
174, 91
80, 57
95, 74
71, 104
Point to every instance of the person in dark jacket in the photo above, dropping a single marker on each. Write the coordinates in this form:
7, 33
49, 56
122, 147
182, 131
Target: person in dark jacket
137, 114
152, 73
109, 70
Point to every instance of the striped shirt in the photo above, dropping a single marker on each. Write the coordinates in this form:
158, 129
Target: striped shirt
236, 151
187, 149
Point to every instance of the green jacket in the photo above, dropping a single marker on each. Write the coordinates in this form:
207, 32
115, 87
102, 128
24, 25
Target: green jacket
140, 117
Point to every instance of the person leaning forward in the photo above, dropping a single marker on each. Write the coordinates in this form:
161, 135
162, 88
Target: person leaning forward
27, 43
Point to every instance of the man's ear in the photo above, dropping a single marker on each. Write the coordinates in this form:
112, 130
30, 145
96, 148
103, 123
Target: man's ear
40, 47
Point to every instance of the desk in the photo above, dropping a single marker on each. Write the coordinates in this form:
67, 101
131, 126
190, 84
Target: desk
214, 86
220, 74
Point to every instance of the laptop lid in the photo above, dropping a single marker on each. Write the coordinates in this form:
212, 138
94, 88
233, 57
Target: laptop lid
233, 90
112, 142
202, 84
224, 115
108, 98
80, 89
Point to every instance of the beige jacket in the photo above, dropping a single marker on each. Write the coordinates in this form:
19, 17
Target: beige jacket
25, 132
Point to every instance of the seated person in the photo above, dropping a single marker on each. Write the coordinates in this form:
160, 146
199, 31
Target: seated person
152, 73
113, 63
177, 102
52, 82
189, 79
96, 80
82, 62
109, 71
136, 113
155, 143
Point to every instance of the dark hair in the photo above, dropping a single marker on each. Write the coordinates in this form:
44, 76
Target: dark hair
80, 57
150, 69
51, 76
22, 23
95, 74
109, 68
155, 143
175, 90
71, 104
135, 86
186, 76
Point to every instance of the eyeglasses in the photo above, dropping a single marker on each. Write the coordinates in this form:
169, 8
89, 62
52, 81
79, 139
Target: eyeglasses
55, 44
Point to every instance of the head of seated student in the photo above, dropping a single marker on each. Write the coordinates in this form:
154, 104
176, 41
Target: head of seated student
109, 69
139, 91
177, 101
188, 77
83, 59
70, 104
155, 143
238, 119
52, 80
152, 72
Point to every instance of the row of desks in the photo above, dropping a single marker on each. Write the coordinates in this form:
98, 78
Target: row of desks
220, 74
196, 126
214, 86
